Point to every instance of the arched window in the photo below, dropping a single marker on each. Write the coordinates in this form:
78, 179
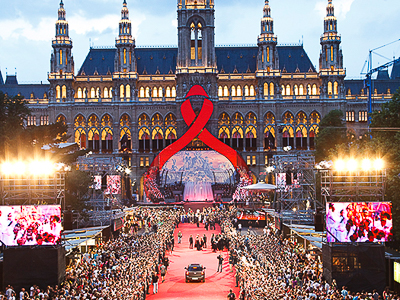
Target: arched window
128, 91
237, 138
105, 93
85, 93
157, 139
160, 92
266, 87
309, 92
224, 135
121, 91
107, 140
98, 93
288, 90
92, 93
220, 91
157, 120
314, 89
296, 90
58, 92
93, 121
106, 121
271, 89
141, 92
233, 91
94, 140
246, 91
251, 138
251, 119
224, 119
301, 118
301, 90
144, 120
269, 118
170, 120
269, 138
125, 121
226, 91
155, 92
283, 90
252, 91
144, 140
288, 136
168, 92
288, 118
110, 92
312, 134
80, 121
335, 88
196, 50
79, 94
170, 136
349, 92
329, 88
173, 92
147, 94
239, 91
125, 140
315, 118
237, 119
80, 138
301, 138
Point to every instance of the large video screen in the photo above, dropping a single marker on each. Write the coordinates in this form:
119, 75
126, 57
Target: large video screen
113, 185
359, 221
30, 225
97, 182
251, 215
396, 271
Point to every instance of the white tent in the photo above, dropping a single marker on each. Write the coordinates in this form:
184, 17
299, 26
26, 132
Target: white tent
260, 187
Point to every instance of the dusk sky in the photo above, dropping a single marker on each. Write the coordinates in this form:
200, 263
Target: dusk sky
27, 28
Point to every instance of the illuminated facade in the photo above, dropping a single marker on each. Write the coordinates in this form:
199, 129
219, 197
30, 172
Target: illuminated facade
125, 101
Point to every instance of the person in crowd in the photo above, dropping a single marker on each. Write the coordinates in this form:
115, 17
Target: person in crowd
220, 261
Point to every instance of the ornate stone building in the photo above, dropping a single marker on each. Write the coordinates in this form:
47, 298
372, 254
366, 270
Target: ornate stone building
125, 101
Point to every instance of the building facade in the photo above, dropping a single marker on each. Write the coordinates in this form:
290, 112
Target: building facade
125, 101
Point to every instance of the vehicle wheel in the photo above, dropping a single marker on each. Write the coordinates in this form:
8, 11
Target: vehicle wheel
204, 280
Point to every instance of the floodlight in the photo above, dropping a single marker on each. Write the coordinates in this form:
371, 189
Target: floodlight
352, 165
128, 171
19, 168
379, 164
47, 167
366, 164
7, 168
340, 165
35, 168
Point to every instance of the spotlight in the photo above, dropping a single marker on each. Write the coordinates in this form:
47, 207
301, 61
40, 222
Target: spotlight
35, 168
352, 165
128, 171
366, 164
379, 164
7, 168
340, 165
19, 168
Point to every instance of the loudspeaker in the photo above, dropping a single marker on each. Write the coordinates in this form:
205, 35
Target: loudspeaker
68, 220
319, 222
25, 266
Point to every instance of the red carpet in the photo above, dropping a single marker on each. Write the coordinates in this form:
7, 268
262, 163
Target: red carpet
217, 285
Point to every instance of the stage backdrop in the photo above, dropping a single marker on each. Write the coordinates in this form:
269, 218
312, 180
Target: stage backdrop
198, 170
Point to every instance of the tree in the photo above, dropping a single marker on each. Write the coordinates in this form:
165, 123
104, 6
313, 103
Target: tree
332, 133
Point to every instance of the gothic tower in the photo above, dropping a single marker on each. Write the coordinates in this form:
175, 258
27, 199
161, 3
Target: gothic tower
61, 74
196, 62
331, 68
125, 67
268, 73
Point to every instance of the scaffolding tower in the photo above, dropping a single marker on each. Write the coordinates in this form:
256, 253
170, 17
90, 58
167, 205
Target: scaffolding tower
296, 200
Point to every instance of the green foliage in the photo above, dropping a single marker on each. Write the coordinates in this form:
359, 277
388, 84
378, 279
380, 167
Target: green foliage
77, 190
332, 133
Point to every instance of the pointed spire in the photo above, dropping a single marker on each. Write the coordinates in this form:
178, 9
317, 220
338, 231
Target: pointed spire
330, 19
61, 11
125, 11
267, 23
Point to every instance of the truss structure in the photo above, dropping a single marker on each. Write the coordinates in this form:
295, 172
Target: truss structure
32, 190
296, 202
354, 186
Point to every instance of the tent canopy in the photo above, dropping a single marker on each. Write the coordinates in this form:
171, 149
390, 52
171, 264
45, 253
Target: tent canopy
260, 187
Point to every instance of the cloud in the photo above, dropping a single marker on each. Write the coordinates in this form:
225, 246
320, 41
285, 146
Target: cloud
342, 7
17, 28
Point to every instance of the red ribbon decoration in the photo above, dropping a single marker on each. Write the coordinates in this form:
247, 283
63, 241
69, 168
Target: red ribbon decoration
197, 128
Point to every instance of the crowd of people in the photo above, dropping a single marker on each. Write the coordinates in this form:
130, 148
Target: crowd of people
129, 267
270, 267
169, 189
122, 268
224, 189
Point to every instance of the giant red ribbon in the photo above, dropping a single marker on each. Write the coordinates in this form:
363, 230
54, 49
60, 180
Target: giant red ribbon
197, 129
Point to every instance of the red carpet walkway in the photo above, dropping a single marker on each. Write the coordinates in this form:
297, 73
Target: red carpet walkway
217, 285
